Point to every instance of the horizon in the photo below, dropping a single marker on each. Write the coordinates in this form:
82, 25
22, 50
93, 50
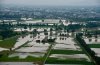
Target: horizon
51, 2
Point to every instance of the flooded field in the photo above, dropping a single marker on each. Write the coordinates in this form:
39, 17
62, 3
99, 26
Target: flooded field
1, 49
32, 48
29, 63
97, 51
66, 43
22, 40
63, 49
92, 41
73, 56
67, 50
94, 45
25, 55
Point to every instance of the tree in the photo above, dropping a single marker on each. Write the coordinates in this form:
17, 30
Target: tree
51, 29
25, 27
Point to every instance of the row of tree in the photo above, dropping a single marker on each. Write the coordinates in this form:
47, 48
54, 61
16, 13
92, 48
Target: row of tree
87, 49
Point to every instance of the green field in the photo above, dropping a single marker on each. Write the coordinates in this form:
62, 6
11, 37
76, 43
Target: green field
67, 61
66, 52
0, 37
94, 45
8, 43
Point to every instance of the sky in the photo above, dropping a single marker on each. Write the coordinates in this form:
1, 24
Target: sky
52, 2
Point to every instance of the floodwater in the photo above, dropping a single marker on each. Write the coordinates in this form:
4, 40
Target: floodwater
31, 29
97, 51
32, 48
22, 41
16, 63
68, 44
29, 63
2, 49
25, 55
92, 41
73, 56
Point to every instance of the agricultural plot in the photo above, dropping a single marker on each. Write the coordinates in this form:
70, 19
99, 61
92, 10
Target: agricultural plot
29, 63
94, 44
30, 48
66, 51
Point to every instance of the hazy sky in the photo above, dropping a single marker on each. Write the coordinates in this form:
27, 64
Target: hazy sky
53, 2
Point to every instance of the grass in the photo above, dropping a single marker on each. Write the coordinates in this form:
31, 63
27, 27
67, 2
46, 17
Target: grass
0, 37
66, 52
5, 58
94, 45
8, 43
67, 61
